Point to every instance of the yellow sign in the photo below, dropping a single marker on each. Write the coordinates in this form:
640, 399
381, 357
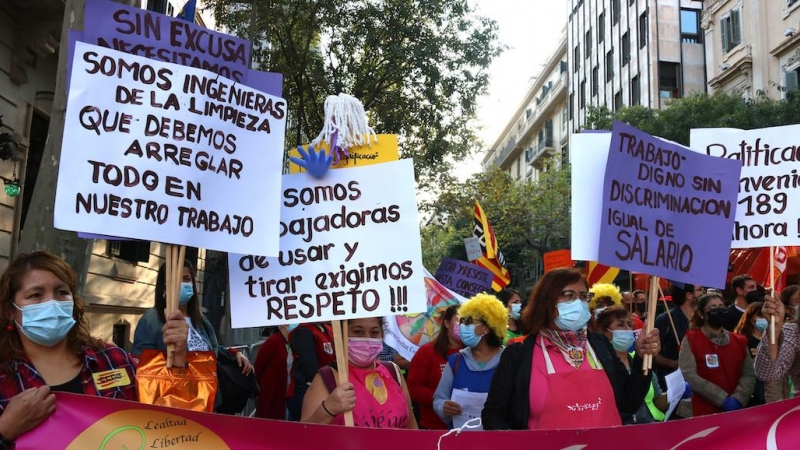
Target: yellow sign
385, 150
110, 379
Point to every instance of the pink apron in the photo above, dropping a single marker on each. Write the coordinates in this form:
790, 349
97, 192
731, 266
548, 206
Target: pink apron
577, 398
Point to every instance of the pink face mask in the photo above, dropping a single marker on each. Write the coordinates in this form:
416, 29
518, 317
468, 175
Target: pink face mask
455, 333
363, 351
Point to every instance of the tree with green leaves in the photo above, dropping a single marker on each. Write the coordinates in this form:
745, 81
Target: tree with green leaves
528, 218
418, 67
719, 110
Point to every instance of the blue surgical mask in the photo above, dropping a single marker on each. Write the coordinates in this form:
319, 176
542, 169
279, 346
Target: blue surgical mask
468, 336
187, 292
47, 323
291, 327
623, 340
761, 324
516, 309
573, 316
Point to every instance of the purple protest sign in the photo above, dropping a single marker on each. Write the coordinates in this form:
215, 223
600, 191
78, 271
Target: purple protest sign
464, 278
667, 211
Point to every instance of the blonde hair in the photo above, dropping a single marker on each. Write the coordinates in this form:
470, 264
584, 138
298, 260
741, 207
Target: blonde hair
600, 290
489, 310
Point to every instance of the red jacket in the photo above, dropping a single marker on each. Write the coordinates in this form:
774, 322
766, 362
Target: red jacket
272, 374
728, 360
423, 378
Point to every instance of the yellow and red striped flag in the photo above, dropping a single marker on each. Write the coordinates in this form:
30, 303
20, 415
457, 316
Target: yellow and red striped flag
782, 255
600, 273
492, 259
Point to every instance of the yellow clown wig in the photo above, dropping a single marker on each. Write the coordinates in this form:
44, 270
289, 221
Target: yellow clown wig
600, 290
489, 310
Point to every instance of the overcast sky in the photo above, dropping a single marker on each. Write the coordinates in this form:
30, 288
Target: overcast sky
530, 29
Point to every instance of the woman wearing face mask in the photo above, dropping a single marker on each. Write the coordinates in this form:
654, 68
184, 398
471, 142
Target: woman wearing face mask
482, 324
791, 300
201, 333
376, 394
775, 391
513, 302
604, 295
616, 324
45, 345
429, 363
714, 361
752, 326
272, 367
560, 364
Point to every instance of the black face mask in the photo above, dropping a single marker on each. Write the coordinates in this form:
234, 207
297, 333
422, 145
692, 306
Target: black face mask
640, 307
715, 317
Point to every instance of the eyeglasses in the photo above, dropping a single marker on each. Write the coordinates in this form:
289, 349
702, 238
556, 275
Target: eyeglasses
570, 295
469, 321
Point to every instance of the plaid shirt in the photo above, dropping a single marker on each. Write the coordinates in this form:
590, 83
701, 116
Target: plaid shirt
25, 376
788, 362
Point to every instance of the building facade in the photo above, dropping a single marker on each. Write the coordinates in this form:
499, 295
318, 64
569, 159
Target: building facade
120, 283
632, 52
753, 47
537, 130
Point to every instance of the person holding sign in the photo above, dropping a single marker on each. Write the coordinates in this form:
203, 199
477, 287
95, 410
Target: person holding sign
429, 363
561, 376
715, 362
513, 302
45, 345
201, 334
616, 324
787, 364
376, 394
468, 374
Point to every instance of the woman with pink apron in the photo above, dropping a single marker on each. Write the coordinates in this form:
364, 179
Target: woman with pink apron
563, 376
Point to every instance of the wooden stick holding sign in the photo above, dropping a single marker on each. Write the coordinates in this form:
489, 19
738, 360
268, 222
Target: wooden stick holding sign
175, 255
340, 332
773, 342
652, 304
669, 315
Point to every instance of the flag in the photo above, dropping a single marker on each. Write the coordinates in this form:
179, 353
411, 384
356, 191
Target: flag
781, 259
600, 273
187, 13
492, 259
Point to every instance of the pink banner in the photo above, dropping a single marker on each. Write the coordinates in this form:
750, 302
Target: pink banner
82, 422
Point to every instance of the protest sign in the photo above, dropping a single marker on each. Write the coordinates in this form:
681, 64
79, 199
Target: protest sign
384, 150
86, 422
163, 152
588, 157
557, 259
768, 212
169, 39
406, 333
463, 278
473, 246
666, 209
350, 248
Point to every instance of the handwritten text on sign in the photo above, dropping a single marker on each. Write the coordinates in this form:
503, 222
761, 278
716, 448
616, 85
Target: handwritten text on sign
768, 210
164, 152
350, 248
143, 33
666, 210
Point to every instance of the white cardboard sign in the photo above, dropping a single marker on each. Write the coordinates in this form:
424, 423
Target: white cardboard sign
588, 155
768, 210
169, 153
350, 248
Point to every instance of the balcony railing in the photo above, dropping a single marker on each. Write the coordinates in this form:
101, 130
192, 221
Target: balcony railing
535, 153
506, 151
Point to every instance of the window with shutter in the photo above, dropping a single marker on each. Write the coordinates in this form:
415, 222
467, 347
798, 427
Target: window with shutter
736, 27
131, 251
723, 27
